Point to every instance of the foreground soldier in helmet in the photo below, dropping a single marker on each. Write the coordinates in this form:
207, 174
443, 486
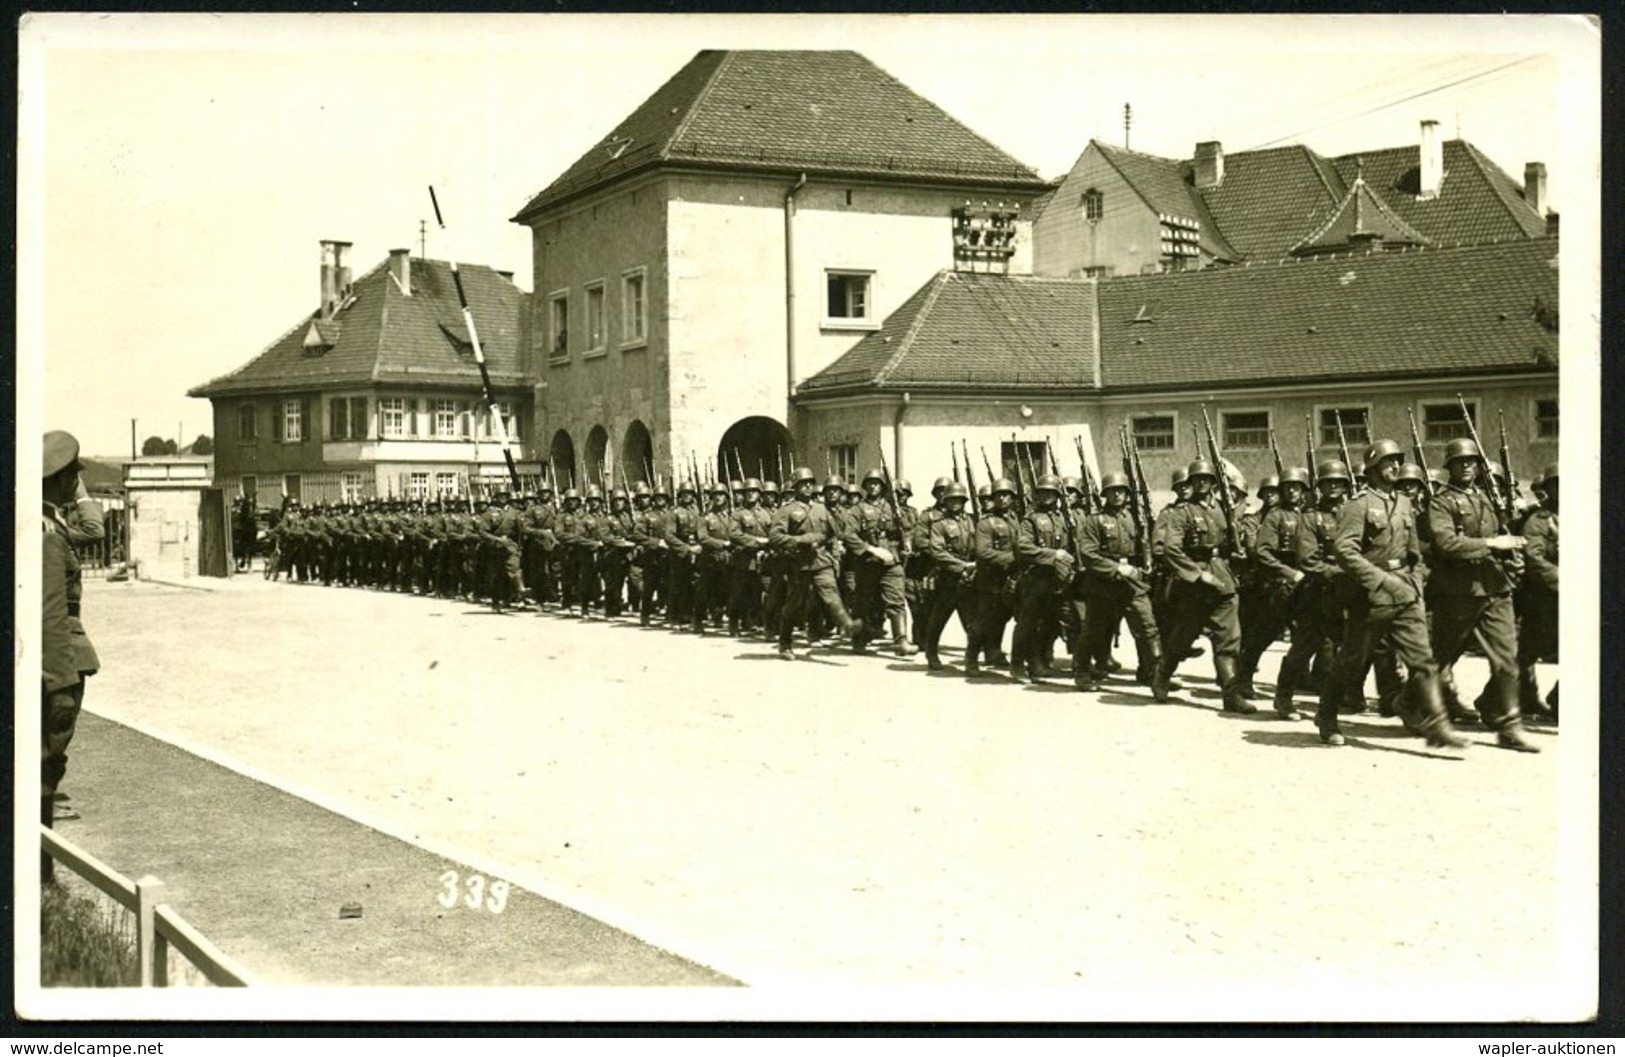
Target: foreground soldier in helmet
805, 533
1376, 544
649, 533
1044, 568
682, 551
950, 547
995, 573
1476, 566
1112, 585
1537, 600
615, 554
1265, 609
711, 573
877, 541
1202, 589
1283, 593
920, 570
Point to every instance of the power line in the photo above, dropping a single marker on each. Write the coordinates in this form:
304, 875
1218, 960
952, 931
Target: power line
1397, 102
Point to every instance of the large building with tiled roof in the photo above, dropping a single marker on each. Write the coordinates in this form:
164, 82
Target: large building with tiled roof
376, 393
1008, 362
737, 232
1121, 212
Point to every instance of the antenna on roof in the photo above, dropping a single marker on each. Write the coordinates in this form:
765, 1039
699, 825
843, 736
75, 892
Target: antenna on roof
1128, 120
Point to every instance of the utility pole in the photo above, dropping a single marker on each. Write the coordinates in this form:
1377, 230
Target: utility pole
1128, 121
423, 239
132, 440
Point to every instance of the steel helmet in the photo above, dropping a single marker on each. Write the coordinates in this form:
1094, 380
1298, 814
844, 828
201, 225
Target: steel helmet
954, 490
594, 493
1004, 484
1048, 483
571, 493
902, 487
834, 481
1334, 470
1411, 472
770, 488
685, 488
1269, 482
718, 488
1293, 475
1200, 468
802, 474
854, 489
1461, 448
752, 485
619, 493
1114, 479
1497, 471
1383, 449
874, 475
641, 488
939, 484
1072, 484
1181, 475
984, 492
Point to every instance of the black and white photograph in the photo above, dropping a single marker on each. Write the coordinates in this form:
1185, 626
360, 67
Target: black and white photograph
885, 518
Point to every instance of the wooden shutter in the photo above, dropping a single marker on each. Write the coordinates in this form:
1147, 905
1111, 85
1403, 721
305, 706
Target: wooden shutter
306, 425
411, 404
276, 421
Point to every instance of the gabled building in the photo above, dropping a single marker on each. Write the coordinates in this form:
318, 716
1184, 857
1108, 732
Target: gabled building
1016, 366
734, 235
1120, 212
377, 392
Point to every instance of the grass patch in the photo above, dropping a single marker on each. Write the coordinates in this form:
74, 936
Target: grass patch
85, 943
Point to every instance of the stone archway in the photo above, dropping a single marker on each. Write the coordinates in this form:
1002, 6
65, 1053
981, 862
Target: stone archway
561, 465
596, 457
760, 446
637, 454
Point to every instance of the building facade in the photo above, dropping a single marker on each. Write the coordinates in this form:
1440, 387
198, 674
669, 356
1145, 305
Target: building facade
377, 393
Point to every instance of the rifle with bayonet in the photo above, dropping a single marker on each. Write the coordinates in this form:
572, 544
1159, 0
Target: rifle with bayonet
975, 503
1139, 497
896, 510
1421, 459
1343, 448
1226, 504
1510, 485
1502, 499
1280, 467
1309, 450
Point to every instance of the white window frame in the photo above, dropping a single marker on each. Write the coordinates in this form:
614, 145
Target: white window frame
510, 420
866, 321
595, 310
445, 485
392, 411
248, 413
351, 486
1535, 435
443, 415
1224, 428
417, 485
558, 326
1322, 443
1096, 197
293, 421
843, 461
1134, 434
634, 311
1473, 410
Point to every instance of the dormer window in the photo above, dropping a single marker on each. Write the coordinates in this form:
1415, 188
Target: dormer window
1094, 205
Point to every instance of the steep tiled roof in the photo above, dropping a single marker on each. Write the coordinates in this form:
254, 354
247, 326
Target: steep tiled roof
1477, 202
1269, 199
1417, 313
1162, 183
382, 335
1361, 215
975, 331
811, 111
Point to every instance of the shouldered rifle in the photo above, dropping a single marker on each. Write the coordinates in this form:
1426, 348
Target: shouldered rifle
1421, 459
991, 476
1280, 467
1511, 486
896, 510
1502, 498
954, 452
1223, 486
1309, 450
975, 503
1343, 448
1066, 510
1021, 481
1089, 503
1139, 498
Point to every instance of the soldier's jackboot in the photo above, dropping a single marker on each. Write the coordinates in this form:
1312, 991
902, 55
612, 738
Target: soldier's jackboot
1285, 707
1428, 715
1018, 671
932, 661
1230, 685
1459, 713
1160, 680
1529, 701
1510, 735
900, 641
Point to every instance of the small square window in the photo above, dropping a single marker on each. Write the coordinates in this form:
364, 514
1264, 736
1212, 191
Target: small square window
1445, 422
848, 295
1094, 205
1245, 429
1356, 426
392, 416
1153, 432
1545, 419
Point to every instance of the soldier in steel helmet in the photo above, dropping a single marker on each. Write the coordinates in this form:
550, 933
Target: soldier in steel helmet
875, 538
615, 528
1282, 583
711, 572
950, 547
649, 532
67, 658
995, 578
1537, 599
682, 552
1263, 612
1377, 545
1044, 569
591, 537
748, 530
1476, 567
775, 574
1111, 586
804, 531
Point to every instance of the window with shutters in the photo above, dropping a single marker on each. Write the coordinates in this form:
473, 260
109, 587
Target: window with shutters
392, 416
445, 418
358, 418
558, 326
417, 486
293, 422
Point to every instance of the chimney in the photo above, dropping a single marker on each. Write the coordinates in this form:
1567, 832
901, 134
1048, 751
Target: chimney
1431, 162
400, 266
1534, 186
335, 276
1209, 164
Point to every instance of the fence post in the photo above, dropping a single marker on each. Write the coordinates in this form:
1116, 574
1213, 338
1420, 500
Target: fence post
151, 949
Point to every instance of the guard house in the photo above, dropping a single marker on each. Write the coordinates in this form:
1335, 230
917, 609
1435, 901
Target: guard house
178, 521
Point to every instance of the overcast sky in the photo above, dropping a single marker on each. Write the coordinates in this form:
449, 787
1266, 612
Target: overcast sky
177, 172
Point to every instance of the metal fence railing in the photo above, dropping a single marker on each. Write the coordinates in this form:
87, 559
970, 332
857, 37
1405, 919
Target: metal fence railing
158, 927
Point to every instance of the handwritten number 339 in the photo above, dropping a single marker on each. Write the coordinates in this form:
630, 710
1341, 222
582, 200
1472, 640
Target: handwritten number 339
492, 896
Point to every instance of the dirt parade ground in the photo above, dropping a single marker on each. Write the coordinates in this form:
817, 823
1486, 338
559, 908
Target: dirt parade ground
668, 809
